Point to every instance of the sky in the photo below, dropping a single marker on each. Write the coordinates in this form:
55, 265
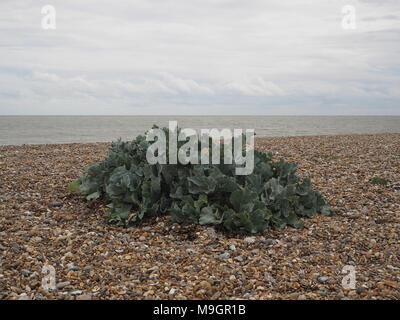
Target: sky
200, 57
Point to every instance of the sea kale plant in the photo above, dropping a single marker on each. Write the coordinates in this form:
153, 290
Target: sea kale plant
273, 196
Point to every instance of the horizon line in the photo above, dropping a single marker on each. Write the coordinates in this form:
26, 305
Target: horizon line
199, 115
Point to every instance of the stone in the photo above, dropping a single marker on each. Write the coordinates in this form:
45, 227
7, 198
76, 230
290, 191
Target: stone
76, 292
62, 285
224, 256
24, 296
269, 242
249, 240
84, 297
205, 285
56, 204
172, 291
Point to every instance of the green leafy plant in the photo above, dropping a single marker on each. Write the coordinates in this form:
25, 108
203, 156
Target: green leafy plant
329, 156
273, 196
378, 180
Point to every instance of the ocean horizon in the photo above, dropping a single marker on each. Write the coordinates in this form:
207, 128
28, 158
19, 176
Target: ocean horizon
50, 129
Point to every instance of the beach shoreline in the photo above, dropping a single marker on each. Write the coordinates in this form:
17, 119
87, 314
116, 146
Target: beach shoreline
42, 223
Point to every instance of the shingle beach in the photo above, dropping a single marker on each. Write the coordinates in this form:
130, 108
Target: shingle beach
42, 223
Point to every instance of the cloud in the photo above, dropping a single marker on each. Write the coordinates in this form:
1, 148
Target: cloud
386, 17
256, 86
193, 57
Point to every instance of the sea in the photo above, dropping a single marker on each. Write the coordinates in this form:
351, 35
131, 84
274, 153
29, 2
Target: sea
17, 130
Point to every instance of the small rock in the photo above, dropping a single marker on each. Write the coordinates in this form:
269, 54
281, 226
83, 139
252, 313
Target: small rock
33, 275
224, 256
68, 255
269, 242
142, 238
200, 292
154, 268
56, 204
62, 285
153, 276
25, 272
24, 296
232, 278
389, 267
211, 233
172, 291
191, 251
232, 247
249, 240
36, 239
84, 297
76, 292
322, 279
72, 267
294, 296
239, 258
205, 285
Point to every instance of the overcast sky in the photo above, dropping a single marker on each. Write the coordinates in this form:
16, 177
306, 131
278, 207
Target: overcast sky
200, 57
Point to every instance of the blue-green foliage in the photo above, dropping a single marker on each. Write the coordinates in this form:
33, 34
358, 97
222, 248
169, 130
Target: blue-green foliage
273, 196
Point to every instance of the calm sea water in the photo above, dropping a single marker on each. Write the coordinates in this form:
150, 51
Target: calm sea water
15, 130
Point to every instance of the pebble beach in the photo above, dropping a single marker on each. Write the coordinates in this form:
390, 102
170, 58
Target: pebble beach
44, 224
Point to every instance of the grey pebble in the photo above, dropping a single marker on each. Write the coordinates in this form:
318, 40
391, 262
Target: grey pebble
224, 256
322, 279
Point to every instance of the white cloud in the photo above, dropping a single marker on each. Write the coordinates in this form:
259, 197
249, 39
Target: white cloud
174, 56
256, 86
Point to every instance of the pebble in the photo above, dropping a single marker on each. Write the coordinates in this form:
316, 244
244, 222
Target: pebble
56, 204
72, 267
205, 285
239, 258
62, 285
172, 291
120, 263
211, 232
24, 296
84, 297
249, 240
269, 242
76, 292
68, 255
224, 256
